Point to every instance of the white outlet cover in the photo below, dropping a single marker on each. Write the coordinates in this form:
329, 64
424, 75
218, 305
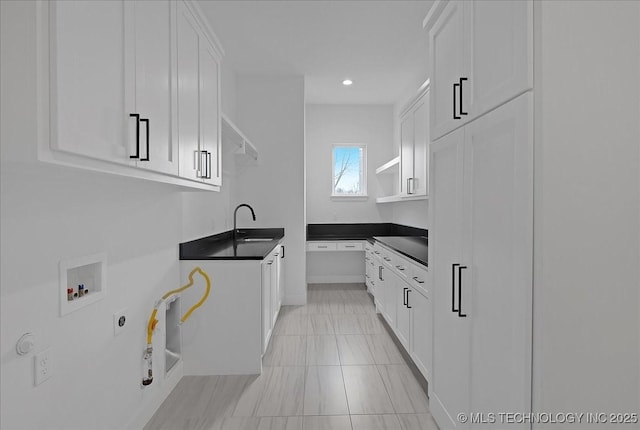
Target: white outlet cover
118, 324
43, 366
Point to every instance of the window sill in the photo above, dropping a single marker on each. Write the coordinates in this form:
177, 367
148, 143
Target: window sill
350, 198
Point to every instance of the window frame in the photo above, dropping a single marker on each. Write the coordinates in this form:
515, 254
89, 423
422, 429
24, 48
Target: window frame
363, 161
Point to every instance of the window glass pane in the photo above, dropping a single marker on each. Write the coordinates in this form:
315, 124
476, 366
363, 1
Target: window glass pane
349, 170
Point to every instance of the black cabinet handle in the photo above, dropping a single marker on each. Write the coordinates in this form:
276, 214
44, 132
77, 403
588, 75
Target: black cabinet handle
460, 314
461, 112
459, 86
453, 287
408, 291
282, 255
404, 295
146, 121
415, 278
207, 163
137, 117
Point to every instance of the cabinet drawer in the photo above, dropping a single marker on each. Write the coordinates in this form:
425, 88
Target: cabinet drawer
419, 279
350, 246
321, 246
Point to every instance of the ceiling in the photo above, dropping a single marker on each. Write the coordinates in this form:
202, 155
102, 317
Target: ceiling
380, 45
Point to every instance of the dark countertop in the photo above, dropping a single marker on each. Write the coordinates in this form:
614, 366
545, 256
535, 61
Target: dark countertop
409, 241
360, 231
414, 247
223, 247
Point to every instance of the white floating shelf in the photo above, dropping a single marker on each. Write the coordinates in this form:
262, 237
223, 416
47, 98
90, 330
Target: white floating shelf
400, 198
389, 167
231, 135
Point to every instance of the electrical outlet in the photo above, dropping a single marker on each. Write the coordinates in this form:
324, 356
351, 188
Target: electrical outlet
120, 320
43, 366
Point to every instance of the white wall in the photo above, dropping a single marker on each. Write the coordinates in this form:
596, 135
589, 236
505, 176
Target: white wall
50, 213
371, 125
587, 207
271, 114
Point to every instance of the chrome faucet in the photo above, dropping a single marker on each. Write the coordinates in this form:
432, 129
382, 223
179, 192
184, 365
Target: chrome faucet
235, 213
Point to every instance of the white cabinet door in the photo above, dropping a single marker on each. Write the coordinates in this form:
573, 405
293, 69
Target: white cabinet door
499, 61
498, 244
266, 304
87, 80
421, 332
281, 272
420, 184
403, 311
187, 33
275, 271
388, 294
446, 38
210, 113
406, 152
149, 90
450, 380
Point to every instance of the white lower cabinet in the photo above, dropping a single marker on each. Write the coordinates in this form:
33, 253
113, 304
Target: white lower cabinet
482, 242
402, 296
403, 310
267, 323
271, 289
421, 331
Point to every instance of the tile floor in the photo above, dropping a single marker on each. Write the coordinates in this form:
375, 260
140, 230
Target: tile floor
330, 365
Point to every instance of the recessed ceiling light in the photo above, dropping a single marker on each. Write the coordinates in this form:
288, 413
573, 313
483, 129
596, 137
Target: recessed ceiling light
347, 82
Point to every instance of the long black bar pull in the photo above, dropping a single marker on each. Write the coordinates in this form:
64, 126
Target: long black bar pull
137, 117
461, 112
460, 314
146, 121
404, 295
455, 114
453, 287
408, 291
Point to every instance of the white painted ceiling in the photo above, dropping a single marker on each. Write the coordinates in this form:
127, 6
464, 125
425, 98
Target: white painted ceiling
380, 45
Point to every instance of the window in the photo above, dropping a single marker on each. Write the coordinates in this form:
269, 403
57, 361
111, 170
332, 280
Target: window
349, 171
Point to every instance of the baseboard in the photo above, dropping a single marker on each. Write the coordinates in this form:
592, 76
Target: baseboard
155, 399
335, 279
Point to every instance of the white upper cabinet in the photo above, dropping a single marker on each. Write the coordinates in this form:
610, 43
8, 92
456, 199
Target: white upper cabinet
136, 83
198, 100
149, 69
499, 61
187, 34
481, 56
88, 81
446, 42
414, 141
210, 137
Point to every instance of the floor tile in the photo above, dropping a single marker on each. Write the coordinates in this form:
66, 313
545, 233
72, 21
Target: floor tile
353, 349
320, 324
238, 423
322, 350
280, 423
327, 423
366, 393
370, 324
346, 324
324, 391
375, 422
290, 324
284, 392
417, 422
293, 310
286, 351
406, 394
383, 349
250, 398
